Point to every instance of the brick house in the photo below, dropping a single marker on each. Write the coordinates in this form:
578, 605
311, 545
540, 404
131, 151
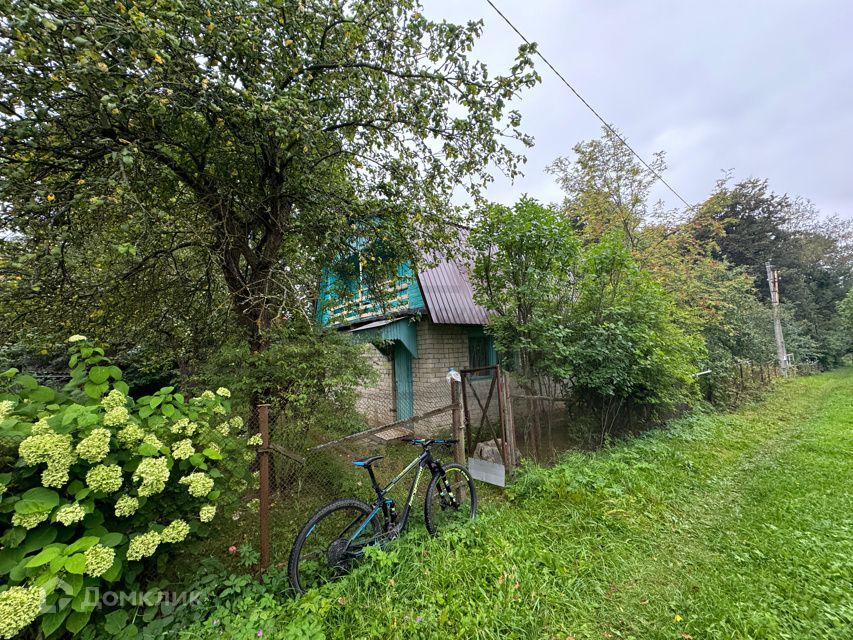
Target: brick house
431, 323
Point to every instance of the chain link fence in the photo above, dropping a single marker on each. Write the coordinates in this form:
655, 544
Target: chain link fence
302, 469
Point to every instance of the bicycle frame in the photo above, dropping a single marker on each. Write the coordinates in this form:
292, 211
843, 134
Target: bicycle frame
383, 505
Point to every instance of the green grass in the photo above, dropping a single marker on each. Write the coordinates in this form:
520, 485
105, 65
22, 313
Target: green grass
720, 526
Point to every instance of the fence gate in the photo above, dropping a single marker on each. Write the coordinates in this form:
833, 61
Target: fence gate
489, 432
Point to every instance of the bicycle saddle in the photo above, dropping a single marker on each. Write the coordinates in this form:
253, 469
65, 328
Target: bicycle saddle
366, 462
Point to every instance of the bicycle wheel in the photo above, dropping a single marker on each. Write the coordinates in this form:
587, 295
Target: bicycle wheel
450, 500
325, 548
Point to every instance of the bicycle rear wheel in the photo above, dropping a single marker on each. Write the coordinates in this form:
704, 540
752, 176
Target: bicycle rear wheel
450, 500
329, 543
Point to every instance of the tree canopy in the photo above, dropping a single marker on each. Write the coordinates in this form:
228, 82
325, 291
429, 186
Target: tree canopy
180, 149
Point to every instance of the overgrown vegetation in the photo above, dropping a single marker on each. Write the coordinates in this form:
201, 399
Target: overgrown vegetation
705, 529
99, 490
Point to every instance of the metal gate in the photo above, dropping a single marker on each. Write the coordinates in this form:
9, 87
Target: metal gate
488, 415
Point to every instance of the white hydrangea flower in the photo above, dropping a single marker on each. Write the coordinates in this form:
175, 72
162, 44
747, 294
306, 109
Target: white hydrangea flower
69, 514
152, 474
116, 417
143, 546
99, 559
198, 484
76, 338
113, 400
53, 449
255, 440
106, 478
126, 506
207, 512
95, 446
223, 392
29, 520
183, 449
176, 531
19, 607
6, 407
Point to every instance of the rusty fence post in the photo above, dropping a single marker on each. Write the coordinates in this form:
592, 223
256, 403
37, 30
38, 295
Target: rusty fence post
264, 462
456, 419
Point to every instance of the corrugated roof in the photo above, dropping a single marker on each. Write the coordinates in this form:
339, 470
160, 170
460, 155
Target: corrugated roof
449, 295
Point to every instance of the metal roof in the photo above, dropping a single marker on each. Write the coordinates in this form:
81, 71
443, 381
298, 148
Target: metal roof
449, 295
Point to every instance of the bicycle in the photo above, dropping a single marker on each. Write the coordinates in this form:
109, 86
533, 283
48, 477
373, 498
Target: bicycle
336, 535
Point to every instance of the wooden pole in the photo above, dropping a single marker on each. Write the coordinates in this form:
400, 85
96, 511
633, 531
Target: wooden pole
773, 282
456, 420
264, 429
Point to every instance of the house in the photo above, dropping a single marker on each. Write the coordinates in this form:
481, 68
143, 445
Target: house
431, 323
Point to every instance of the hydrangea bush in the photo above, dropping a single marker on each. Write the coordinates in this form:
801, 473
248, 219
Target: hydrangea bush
103, 486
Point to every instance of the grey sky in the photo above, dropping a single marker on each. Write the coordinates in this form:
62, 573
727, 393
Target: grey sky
763, 87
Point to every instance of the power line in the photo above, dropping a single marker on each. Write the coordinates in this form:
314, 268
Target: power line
591, 108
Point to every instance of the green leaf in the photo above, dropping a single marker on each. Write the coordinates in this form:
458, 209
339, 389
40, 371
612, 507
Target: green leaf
45, 556
38, 538
84, 543
95, 391
122, 386
168, 409
114, 572
76, 563
13, 537
144, 412
115, 622
37, 500
77, 620
155, 401
8, 559
50, 622
26, 381
42, 394
213, 454
115, 372
99, 375
112, 539
147, 450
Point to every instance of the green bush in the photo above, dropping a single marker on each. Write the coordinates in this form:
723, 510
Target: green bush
103, 488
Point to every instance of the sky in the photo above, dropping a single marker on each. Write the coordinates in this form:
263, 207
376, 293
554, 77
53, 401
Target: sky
763, 88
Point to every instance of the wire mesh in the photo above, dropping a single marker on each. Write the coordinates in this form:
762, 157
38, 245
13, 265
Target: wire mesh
312, 465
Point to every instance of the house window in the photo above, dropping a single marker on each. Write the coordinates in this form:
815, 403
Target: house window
481, 352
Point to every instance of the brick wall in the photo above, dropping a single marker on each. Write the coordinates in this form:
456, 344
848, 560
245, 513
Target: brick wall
440, 347
377, 401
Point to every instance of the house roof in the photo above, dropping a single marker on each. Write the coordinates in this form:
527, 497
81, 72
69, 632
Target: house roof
447, 289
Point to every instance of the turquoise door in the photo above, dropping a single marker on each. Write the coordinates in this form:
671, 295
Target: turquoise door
403, 390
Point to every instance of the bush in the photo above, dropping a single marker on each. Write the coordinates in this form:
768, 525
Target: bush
103, 489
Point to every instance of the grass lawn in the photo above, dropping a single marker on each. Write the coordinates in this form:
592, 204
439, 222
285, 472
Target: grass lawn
722, 526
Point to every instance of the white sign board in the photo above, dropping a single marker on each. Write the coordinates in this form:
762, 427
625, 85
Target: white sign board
487, 471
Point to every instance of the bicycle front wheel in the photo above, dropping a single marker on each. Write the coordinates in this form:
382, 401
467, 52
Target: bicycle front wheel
329, 543
451, 499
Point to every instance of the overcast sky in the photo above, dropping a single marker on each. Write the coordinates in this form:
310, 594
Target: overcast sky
762, 87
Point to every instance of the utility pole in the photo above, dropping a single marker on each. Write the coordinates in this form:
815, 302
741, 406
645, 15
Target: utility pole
773, 281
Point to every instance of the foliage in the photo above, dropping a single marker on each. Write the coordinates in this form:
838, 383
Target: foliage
813, 255
307, 373
646, 537
230, 146
96, 495
620, 340
524, 257
589, 317
607, 188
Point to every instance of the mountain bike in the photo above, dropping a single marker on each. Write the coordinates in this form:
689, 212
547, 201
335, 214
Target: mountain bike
337, 535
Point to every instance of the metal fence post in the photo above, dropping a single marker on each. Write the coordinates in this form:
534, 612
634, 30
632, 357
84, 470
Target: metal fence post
264, 462
456, 419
